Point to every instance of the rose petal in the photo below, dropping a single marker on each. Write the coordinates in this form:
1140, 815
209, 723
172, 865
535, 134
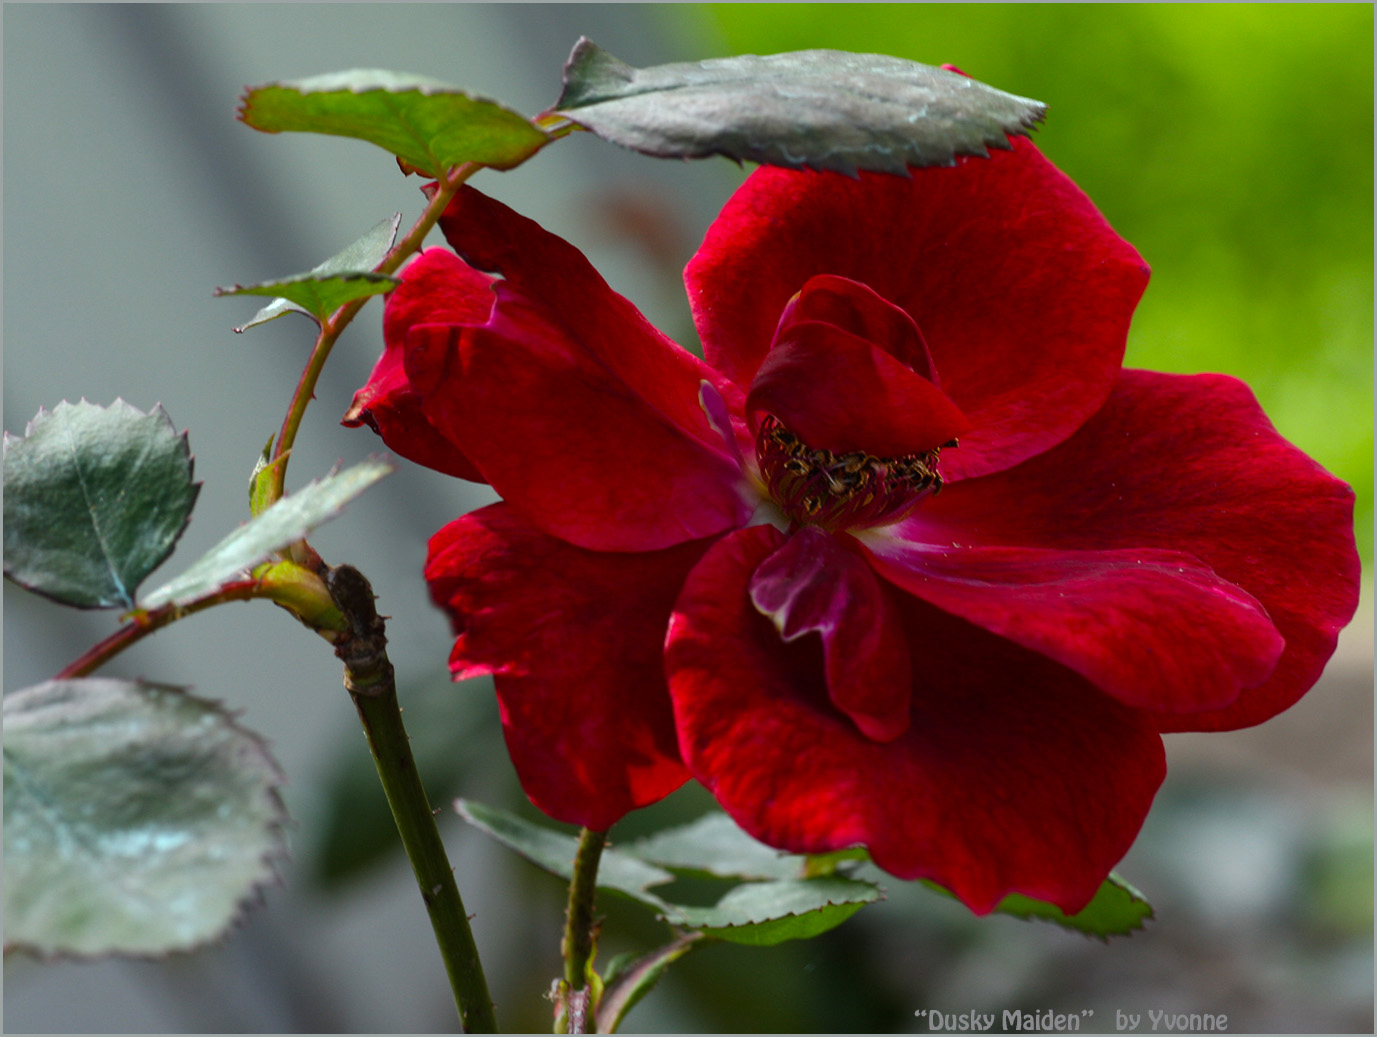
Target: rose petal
1015, 775
1153, 628
575, 641
838, 392
1022, 290
810, 585
437, 287
578, 451
856, 308
1186, 463
543, 266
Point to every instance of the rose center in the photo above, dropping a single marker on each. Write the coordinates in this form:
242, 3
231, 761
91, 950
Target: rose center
836, 491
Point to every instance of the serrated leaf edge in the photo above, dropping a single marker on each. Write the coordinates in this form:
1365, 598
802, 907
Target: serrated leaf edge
157, 410
709, 929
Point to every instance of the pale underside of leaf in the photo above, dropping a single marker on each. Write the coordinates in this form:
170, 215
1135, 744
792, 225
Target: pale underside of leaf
288, 520
138, 819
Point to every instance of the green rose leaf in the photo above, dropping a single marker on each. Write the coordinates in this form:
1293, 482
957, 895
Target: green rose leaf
138, 819
766, 913
95, 500
820, 109
344, 277
554, 852
429, 125
1116, 910
288, 520
761, 913
715, 846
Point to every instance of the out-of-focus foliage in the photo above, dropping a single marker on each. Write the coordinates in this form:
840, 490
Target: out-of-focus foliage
1232, 144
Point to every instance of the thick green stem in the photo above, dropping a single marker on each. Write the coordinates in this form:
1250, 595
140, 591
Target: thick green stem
331, 330
369, 678
580, 933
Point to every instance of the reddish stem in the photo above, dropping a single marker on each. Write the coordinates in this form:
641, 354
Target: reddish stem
331, 330
145, 623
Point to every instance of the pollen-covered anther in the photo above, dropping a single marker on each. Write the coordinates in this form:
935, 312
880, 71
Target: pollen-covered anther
817, 487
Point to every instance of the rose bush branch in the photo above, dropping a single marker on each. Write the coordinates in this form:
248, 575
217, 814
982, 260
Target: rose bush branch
334, 326
369, 677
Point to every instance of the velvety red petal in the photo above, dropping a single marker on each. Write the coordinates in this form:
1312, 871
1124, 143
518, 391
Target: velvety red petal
543, 266
838, 392
1153, 628
1190, 464
1015, 775
1023, 292
437, 287
580, 453
811, 585
575, 642
853, 307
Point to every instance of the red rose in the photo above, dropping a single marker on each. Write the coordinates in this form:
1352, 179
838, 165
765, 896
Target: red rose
910, 561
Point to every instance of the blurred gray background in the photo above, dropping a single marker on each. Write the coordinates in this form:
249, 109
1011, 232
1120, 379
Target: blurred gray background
130, 191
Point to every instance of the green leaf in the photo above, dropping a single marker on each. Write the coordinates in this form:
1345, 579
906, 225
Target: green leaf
554, 852
289, 519
95, 500
714, 845
761, 913
820, 109
429, 125
344, 277
138, 819
767, 913
1116, 910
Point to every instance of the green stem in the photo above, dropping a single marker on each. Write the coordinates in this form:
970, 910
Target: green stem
368, 676
580, 932
331, 330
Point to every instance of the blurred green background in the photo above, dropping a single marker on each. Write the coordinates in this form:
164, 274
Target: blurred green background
1231, 144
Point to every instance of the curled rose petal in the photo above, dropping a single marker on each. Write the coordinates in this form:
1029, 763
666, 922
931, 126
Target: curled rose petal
538, 265
855, 308
582, 454
437, 287
838, 392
